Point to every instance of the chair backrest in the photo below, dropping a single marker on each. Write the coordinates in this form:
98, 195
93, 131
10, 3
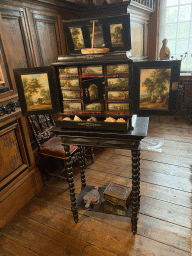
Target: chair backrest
40, 126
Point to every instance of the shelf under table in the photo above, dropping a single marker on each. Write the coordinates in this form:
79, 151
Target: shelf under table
100, 206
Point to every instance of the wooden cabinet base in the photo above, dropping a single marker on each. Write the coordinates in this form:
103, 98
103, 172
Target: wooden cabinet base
19, 194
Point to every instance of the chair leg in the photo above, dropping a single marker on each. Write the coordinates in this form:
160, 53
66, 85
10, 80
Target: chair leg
42, 168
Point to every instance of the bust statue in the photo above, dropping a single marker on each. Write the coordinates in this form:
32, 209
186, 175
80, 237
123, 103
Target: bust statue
164, 52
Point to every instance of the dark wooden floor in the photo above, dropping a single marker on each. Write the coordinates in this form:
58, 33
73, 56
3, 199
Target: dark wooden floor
45, 225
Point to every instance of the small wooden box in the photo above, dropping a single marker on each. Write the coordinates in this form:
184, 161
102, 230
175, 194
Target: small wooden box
99, 125
118, 194
115, 209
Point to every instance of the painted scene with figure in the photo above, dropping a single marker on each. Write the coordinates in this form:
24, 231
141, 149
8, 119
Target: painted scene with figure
36, 91
154, 88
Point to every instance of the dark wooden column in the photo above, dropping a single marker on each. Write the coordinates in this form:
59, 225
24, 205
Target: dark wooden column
135, 189
82, 167
71, 183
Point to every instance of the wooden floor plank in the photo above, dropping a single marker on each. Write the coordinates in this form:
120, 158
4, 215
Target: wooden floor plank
50, 241
165, 211
166, 158
165, 234
10, 247
115, 157
126, 244
161, 179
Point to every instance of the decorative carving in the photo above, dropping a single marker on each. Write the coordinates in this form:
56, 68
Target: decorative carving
8, 108
10, 154
40, 126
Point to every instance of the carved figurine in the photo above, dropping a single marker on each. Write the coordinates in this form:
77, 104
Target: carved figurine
164, 52
92, 197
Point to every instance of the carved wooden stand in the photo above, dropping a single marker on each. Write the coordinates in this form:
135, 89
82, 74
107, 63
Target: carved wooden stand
126, 140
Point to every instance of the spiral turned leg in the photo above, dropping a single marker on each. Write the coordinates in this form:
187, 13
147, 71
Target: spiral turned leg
82, 167
71, 183
135, 189
139, 195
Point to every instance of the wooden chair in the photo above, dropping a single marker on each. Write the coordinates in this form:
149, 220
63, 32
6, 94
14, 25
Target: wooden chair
49, 145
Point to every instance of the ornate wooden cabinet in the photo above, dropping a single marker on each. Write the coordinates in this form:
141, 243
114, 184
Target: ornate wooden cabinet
96, 86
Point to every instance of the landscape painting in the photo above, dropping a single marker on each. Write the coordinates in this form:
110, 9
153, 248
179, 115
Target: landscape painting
92, 70
36, 91
116, 34
118, 95
118, 82
118, 107
68, 71
118, 69
71, 95
93, 107
69, 83
154, 88
77, 37
70, 106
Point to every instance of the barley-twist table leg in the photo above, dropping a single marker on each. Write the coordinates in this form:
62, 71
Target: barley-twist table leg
82, 167
71, 183
139, 195
135, 189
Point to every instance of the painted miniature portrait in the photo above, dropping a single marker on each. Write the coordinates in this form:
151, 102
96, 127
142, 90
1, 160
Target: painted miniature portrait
93, 92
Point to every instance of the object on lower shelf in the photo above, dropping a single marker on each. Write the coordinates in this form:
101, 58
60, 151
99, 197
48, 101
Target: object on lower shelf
108, 207
118, 195
92, 197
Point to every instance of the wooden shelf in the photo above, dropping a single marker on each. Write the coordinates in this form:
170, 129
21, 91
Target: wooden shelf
100, 206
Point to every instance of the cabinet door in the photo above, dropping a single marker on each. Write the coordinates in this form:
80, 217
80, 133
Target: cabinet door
14, 158
17, 37
46, 36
